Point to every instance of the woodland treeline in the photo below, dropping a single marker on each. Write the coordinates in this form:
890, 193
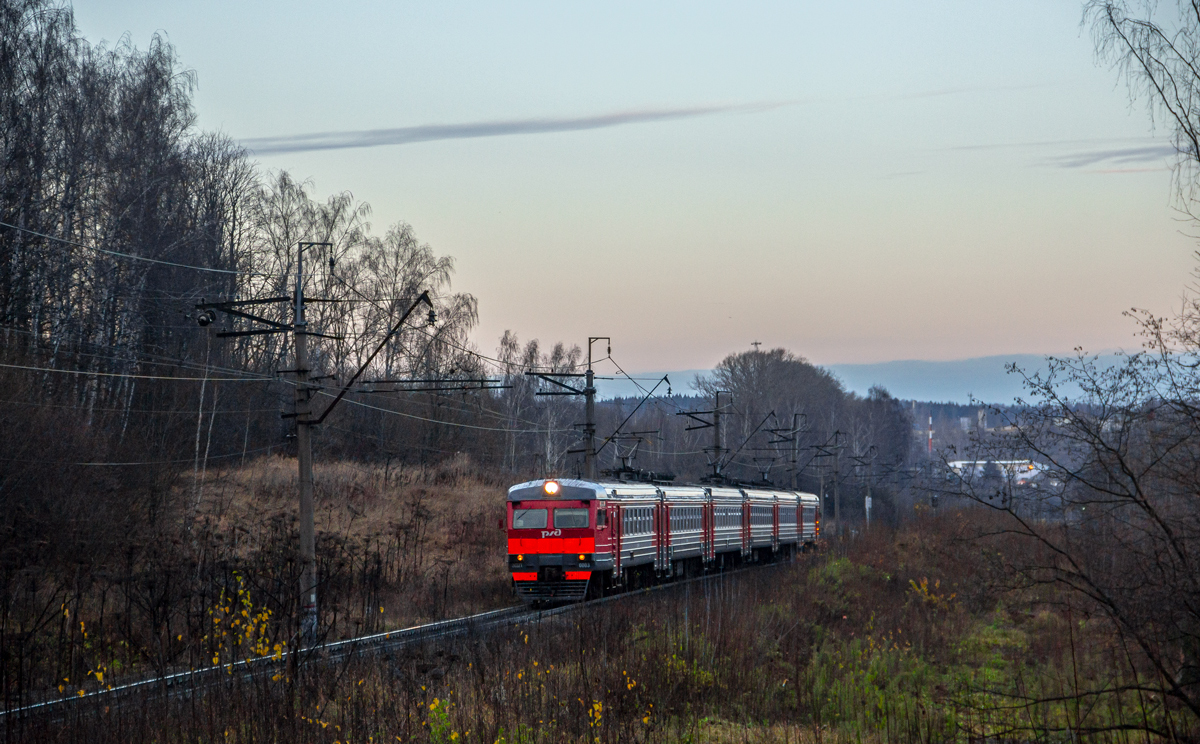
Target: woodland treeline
118, 216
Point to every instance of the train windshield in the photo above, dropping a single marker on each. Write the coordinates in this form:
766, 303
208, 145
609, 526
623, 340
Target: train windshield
570, 518
529, 519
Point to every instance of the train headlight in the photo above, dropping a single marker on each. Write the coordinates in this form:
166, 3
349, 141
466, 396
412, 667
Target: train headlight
582, 557
551, 488
520, 558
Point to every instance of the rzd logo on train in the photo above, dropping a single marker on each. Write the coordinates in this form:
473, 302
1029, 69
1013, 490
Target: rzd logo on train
551, 533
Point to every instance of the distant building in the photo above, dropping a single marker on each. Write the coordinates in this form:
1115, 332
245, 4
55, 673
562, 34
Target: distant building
1019, 472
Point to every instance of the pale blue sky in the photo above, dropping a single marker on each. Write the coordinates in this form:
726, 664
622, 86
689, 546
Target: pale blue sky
872, 181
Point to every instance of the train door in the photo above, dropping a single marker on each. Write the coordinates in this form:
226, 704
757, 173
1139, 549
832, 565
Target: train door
667, 543
746, 512
616, 519
775, 526
662, 536
707, 549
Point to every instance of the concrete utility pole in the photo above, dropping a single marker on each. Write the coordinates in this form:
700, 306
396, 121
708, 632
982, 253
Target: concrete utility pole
821, 485
308, 531
717, 433
589, 397
837, 494
589, 426
799, 425
304, 415
716, 450
867, 501
867, 462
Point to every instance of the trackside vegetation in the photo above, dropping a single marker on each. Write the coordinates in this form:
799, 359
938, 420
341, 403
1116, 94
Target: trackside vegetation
913, 635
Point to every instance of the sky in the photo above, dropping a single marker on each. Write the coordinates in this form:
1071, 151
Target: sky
855, 182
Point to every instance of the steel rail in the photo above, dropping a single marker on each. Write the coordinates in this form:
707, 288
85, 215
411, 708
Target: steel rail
185, 681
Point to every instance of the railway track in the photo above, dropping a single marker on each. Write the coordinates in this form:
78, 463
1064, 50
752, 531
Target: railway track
191, 681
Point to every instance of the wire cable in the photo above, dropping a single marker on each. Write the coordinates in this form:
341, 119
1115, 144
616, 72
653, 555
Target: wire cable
445, 423
146, 357
500, 364
132, 256
144, 462
39, 404
668, 401
146, 377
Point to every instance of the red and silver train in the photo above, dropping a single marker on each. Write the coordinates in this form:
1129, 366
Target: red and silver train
571, 539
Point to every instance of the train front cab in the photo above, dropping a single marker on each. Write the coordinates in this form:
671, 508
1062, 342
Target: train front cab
559, 537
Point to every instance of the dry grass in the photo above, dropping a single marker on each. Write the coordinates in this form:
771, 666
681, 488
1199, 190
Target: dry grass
915, 636
431, 533
908, 637
395, 547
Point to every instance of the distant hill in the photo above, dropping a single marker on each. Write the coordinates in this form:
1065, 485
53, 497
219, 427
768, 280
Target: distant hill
984, 378
957, 381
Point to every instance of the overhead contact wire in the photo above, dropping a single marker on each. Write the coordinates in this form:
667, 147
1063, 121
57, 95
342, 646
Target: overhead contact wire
132, 256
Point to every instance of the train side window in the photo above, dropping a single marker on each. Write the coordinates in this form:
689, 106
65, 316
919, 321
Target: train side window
601, 518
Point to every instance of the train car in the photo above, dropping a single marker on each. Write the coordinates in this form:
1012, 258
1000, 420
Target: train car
787, 533
635, 544
809, 506
759, 524
685, 537
570, 539
729, 540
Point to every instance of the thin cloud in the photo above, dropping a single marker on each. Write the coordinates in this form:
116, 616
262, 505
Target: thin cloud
1112, 171
498, 128
1112, 153
938, 92
1114, 156
1092, 143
